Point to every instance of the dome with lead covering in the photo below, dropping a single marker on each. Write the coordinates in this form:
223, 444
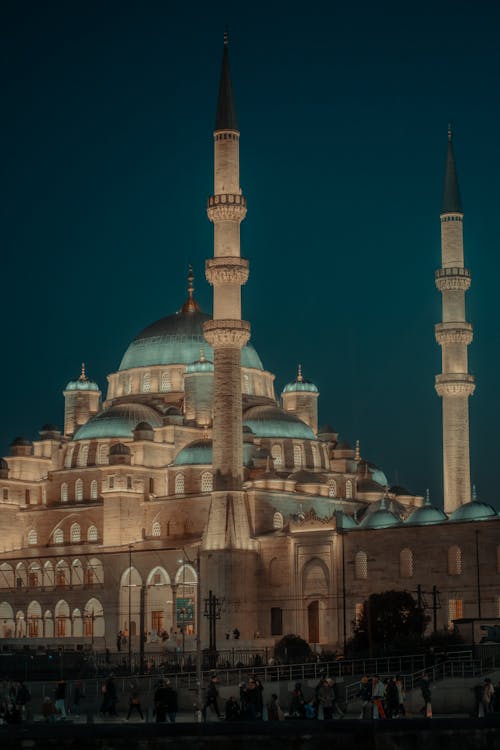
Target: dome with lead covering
426, 515
200, 452
271, 421
380, 519
119, 420
473, 511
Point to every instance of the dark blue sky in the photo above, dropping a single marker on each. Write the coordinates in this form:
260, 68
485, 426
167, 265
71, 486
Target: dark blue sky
106, 156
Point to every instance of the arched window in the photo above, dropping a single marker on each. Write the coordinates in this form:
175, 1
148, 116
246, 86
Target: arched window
246, 383
406, 563
32, 537
93, 489
277, 521
277, 454
64, 492
83, 455
332, 488
165, 382
92, 534
103, 453
361, 565
146, 382
206, 481
454, 561
179, 484
315, 454
128, 386
44, 495
297, 455
79, 489
348, 489
156, 529
76, 534
455, 611
69, 457
58, 536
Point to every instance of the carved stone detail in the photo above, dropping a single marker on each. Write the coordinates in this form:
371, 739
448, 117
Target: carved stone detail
226, 271
452, 279
455, 384
227, 207
219, 333
453, 333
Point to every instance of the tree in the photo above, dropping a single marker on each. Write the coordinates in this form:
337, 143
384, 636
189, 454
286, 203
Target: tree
391, 621
292, 648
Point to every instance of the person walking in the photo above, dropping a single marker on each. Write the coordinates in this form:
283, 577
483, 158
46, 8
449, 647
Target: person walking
61, 699
401, 695
487, 696
325, 699
76, 698
134, 703
211, 698
298, 703
425, 688
171, 703
274, 711
378, 695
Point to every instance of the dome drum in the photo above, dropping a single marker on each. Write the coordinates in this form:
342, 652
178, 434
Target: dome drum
21, 447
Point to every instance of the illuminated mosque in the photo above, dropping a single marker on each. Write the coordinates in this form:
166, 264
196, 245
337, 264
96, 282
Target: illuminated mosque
192, 476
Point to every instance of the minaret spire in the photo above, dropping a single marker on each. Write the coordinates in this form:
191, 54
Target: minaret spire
454, 335
225, 118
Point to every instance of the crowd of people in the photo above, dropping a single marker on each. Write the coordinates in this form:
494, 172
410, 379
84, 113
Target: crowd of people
385, 699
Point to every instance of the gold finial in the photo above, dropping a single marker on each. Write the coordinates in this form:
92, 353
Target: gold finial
474, 493
190, 305
300, 379
357, 455
83, 376
450, 132
190, 281
226, 37
427, 497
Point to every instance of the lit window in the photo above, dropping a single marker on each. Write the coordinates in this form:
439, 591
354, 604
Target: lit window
83, 455
79, 489
406, 563
75, 533
156, 529
146, 382
455, 561
58, 536
179, 484
315, 454
297, 455
32, 537
361, 565
206, 481
103, 454
69, 457
64, 492
455, 611
332, 488
358, 612
129, 384
93, 489
277, 521
348, 489
246, 383
92, 534
277, 455
165, 383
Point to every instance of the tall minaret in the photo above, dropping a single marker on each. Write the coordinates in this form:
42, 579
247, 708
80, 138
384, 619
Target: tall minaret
454, 334
228, 528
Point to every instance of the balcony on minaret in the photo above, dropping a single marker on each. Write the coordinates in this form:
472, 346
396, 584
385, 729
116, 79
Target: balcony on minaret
459, 332
454, 278
455, 384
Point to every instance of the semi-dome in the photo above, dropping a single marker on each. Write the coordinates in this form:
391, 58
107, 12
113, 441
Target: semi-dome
380, 519
200, 452
176, 340
473, 511
426, 515
271, 421
300, 384
119, 420
119, 449
83, 383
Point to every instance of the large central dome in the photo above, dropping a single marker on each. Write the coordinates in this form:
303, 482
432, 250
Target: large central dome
176, 340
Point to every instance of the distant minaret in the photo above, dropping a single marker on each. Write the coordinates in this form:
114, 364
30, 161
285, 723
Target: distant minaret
454, 334
227, 333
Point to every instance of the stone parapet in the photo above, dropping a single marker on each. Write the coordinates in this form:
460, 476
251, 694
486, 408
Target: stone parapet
224, 270
453, 333
221, 333
455, 384
452, 279
227, 207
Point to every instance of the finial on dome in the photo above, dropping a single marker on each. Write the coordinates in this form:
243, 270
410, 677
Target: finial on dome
190, 305
226, 36
300, 378
474, 493
83, 376
427, 497
357, 454
450, 132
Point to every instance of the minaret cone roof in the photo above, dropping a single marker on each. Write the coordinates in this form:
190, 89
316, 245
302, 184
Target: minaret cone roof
225, 118
452, 203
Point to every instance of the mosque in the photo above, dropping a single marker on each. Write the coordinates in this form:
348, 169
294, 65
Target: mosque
193, 480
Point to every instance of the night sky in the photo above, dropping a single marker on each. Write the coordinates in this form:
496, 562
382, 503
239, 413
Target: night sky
106, 155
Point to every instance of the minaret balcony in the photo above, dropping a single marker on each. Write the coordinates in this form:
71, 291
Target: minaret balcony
225, 270
453, 333
227, 207
455, 384
221, 333
452, 279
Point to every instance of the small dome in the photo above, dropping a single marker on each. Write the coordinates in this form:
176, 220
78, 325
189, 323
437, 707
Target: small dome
426, 515
200, 452
300, 384
50, 428
21, 441
118, 421
380, 519
271, 421
83, 383
143, 427
473, 511
201, 365
119, 449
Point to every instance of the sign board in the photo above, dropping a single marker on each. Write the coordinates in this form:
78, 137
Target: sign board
184, 608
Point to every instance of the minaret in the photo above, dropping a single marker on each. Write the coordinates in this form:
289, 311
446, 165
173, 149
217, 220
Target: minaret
454, 335
228, 528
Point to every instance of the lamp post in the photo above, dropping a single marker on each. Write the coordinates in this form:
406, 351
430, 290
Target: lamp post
199, 697
182, 610
130, 608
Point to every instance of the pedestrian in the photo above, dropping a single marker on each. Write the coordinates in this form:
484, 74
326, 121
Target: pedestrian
232, 709
171, 702
378, 695
336, 698
365, 694
109, 696
23, 700
119, 641
325, 700
425, 689
297, 704
134, 703
211, 698
48, 709
487, 696
391, 698
401, 695
253, 699
274, 712
160, 699
77, 697
236, 634
61, 699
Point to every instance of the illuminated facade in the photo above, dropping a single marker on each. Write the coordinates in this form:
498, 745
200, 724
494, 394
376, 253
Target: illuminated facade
191, 458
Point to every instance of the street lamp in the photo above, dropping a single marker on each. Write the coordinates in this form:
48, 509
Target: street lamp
182, 610
130, 608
